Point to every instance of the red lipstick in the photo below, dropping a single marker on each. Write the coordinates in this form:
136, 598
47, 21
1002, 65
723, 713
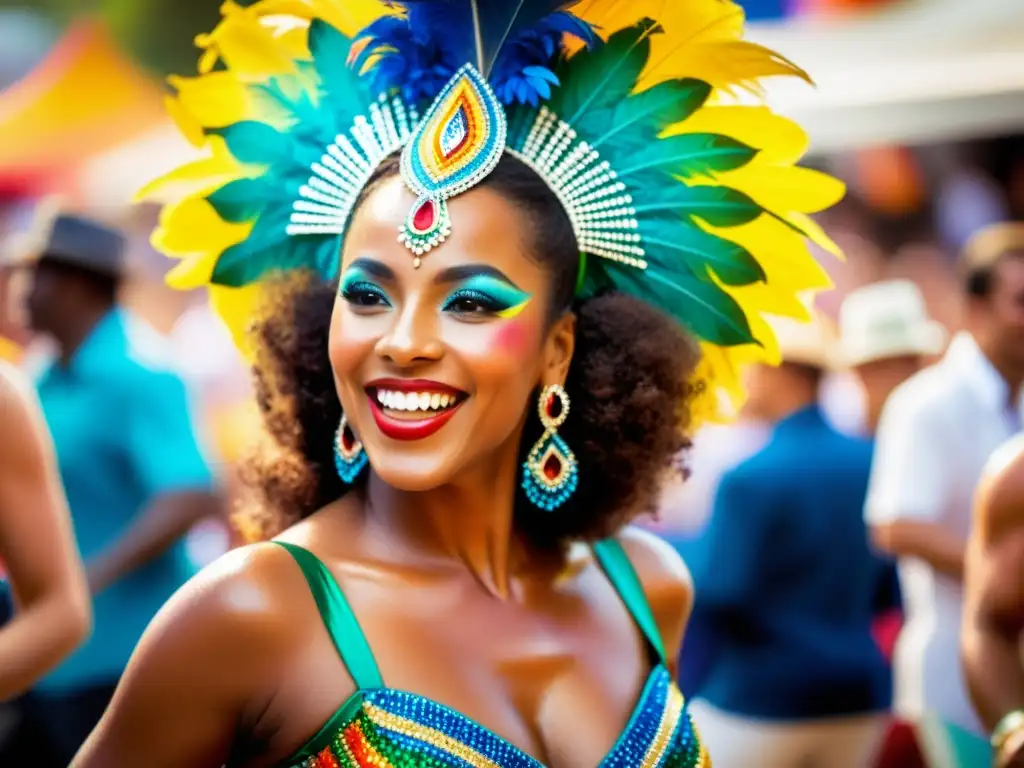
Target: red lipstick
415, 428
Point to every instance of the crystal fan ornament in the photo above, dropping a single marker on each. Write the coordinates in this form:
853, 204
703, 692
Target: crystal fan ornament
349, 457
550, 473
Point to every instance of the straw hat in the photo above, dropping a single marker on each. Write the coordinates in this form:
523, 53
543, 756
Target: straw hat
991, 243
884, 320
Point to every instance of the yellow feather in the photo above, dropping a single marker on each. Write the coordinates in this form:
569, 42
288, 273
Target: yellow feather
781, 252
185, 122
249, 48
198, 177
702, 39
192, 227
786, 188
215, 100
348, 17
779, 140
237, 307
814, 231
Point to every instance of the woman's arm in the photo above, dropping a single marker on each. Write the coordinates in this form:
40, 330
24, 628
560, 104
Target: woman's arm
212, 651
37, 547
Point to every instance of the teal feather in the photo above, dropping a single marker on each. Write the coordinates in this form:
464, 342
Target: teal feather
341, 86
646, 114
703, 308
275, 103
688, 155
601, 77
718, 206
247, 263
256, 143
700, 252
243, 200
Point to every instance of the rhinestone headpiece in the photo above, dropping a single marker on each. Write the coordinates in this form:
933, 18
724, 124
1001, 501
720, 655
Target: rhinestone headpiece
457, 144
327, 199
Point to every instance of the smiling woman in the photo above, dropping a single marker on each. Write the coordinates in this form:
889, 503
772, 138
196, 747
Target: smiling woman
628, 383
495, 301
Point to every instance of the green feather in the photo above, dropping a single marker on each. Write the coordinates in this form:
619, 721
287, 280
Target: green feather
700, 252
243, 200
718, 206
708, 312
645, 114
688, 155
243, 264
601, 77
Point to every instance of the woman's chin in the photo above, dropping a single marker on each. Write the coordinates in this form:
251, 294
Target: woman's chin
413, 474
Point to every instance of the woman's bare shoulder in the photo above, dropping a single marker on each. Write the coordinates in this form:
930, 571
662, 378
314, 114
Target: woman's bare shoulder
233, 616
666, 581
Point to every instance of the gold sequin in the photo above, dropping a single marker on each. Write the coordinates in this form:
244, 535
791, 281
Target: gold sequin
384, 719
666, 728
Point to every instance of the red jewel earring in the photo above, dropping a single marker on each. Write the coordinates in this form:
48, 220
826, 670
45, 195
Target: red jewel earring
550, 474
349, 457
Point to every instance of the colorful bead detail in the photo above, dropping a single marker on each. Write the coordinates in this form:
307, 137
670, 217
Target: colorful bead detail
349, 457
394, 729
550, 473
457, 144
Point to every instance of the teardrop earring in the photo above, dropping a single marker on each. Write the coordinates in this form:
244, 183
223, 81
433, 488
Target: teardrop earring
349, 457
550, 474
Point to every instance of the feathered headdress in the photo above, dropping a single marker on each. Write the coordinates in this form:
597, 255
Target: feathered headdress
678, 194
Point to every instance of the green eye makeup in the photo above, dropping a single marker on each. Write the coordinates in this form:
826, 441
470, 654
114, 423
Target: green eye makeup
489, 294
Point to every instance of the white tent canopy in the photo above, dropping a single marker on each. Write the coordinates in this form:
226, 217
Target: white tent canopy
926, 70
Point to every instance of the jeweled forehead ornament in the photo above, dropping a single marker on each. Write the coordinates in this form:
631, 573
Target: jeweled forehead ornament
457, 144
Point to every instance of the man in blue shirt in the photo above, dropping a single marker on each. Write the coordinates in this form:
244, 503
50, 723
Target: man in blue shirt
135, 476
787, 582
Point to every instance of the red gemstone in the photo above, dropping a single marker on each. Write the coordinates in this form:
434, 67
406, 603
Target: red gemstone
552, 467
348, 440
553, 406
425, 217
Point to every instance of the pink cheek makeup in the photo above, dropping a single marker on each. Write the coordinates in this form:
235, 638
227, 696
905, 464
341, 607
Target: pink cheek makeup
513, 337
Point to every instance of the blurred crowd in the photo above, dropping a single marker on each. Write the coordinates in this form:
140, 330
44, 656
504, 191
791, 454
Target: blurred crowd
827, 529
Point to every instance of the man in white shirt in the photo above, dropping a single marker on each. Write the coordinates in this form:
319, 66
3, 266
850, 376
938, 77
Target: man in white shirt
935, 435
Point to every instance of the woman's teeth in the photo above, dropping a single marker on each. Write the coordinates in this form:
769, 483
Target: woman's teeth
415, 401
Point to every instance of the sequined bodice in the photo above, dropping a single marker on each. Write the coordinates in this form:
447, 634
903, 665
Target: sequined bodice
380, 727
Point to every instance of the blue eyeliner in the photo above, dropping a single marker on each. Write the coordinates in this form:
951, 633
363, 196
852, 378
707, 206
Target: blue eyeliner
493, 294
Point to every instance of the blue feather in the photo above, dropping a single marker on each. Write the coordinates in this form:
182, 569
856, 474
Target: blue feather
419, 50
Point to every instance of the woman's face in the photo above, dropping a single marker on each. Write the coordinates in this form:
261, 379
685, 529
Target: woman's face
435, 366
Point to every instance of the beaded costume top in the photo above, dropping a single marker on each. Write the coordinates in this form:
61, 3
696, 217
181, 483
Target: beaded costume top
380, 727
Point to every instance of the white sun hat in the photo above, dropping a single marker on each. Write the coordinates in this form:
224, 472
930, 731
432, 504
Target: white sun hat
884, 320
805, 343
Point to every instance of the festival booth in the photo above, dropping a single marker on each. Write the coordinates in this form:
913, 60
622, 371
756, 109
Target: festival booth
84, 99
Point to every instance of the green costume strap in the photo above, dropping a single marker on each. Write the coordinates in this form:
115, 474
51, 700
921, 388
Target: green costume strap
339, 619
616, 565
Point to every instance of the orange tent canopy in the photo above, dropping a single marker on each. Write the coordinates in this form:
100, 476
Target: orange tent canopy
85, 98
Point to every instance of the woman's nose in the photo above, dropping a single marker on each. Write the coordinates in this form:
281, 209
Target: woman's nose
412, 338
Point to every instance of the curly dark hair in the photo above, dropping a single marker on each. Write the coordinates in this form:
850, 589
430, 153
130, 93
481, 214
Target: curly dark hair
630, 384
